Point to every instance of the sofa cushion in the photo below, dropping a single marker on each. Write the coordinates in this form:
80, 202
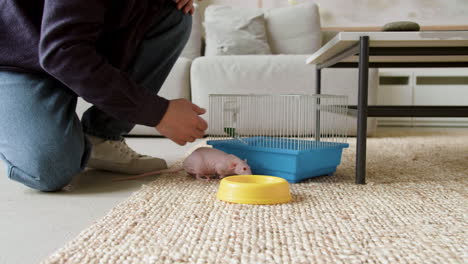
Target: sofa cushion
235, 31
294, 30
193, 47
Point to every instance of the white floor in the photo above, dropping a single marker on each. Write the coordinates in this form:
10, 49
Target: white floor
34, 224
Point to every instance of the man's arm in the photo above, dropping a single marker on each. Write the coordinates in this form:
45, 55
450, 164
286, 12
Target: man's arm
67, 51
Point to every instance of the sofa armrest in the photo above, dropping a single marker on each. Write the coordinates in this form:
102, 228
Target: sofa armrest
177, 85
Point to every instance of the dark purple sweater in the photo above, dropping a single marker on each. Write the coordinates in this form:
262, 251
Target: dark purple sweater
85, 44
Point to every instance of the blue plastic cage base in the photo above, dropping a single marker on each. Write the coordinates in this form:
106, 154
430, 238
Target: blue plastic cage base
281, 158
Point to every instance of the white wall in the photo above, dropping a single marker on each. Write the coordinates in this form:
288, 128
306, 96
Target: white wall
349, 13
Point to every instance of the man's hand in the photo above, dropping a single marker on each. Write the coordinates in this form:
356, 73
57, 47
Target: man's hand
182, 123
185, 6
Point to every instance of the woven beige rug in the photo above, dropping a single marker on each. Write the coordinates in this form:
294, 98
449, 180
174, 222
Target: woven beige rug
413, 210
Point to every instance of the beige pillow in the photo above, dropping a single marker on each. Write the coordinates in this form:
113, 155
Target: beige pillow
235, 31
295, 29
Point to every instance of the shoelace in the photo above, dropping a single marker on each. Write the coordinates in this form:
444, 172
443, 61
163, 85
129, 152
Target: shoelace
125, 149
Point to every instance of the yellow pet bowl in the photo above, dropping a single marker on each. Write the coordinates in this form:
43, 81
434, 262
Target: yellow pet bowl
254, 189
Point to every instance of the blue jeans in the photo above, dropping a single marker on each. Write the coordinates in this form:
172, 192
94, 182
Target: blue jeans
42, 140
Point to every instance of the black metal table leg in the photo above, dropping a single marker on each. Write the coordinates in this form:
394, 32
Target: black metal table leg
362, 110
318, 81
318, 90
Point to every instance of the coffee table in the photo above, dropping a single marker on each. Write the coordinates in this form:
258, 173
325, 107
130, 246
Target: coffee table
364, 50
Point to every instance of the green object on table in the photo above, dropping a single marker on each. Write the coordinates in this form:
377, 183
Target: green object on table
401, 26
230, 131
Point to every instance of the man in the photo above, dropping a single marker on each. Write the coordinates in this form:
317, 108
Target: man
115, 55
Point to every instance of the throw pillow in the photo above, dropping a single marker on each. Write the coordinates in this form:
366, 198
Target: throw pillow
235, 31
295, 29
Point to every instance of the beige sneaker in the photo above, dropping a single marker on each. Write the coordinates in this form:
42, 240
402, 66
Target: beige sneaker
117, 156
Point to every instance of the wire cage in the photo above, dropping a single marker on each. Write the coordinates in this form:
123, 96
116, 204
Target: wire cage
295, 137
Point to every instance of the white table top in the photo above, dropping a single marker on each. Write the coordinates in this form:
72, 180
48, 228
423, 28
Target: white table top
344, 40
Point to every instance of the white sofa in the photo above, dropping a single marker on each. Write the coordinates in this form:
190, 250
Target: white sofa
195, 77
